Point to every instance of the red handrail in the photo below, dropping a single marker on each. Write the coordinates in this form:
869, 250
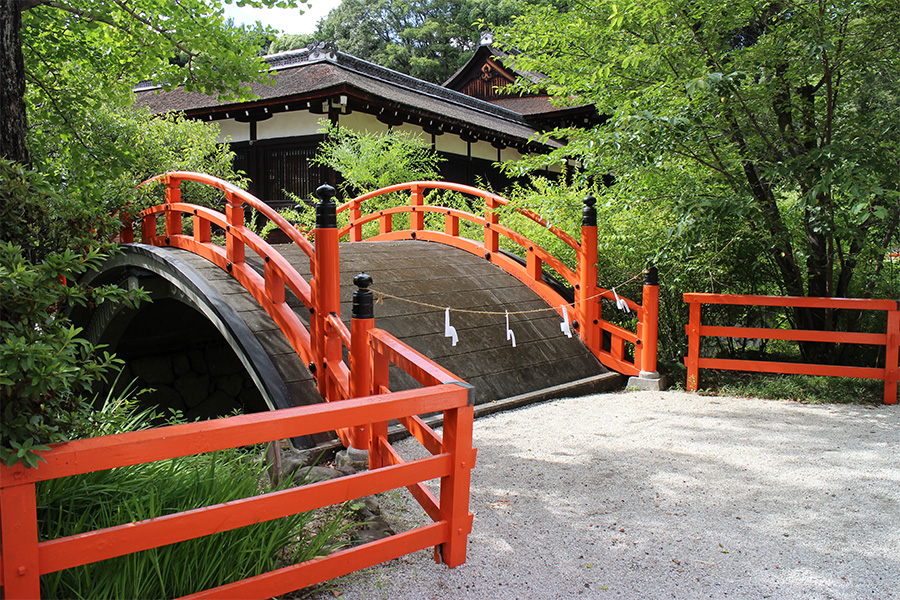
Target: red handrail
890, 339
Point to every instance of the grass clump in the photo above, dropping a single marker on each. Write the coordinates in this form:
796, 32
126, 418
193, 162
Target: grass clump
77, 504
801, 388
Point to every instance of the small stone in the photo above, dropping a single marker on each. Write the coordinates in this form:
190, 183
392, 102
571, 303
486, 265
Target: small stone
181, 364
154, 369
193, 388
314, 474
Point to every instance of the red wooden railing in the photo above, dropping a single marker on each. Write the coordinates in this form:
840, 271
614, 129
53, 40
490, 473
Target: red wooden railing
360, 404
586, 308
890, 339
24, 558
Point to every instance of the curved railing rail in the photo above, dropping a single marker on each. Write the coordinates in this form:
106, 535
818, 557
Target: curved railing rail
606, 340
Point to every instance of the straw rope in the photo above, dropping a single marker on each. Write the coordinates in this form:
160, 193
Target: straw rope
382, 295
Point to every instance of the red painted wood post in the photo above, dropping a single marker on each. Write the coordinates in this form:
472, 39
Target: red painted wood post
650, 323
173, 194
234, 214
380, 383
891, 357
355, 216
454, 508
587, 306
417, 217
692, 361
451, 224
327, 280
202, 229
491, 237
362, 319
19, 540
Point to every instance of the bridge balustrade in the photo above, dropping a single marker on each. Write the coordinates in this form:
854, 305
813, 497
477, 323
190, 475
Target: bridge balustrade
606, 340
451, 458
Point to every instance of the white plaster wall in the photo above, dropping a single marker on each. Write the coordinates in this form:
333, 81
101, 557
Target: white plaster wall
360, 121
288, 124
231, 130
484, 150
451, 143
415, 130
510, 154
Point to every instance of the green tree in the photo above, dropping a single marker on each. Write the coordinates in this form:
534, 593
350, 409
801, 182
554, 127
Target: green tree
778, 114
370, 161
291, 41
428, 39
73, 66
71, 57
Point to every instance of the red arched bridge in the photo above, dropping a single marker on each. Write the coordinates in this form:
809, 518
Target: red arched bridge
239, 323
277, 312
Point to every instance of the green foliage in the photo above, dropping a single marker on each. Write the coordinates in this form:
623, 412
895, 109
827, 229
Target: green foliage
428, 39
771, 125
801, 388
79, 55
46, 368
369, 161
291, 41
82, 503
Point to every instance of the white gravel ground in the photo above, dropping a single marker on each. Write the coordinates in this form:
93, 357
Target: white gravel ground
669, 495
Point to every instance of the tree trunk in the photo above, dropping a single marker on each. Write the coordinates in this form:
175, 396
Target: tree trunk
12, 84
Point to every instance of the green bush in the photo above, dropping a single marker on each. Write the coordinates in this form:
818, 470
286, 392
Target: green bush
92, 501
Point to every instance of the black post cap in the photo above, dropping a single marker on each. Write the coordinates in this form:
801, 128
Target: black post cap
326, 216
651, 276
363, 306
589, 213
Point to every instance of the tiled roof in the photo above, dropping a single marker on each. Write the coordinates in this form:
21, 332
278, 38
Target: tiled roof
322, 69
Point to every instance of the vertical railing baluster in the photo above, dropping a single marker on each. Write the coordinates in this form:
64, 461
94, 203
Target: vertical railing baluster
327, 285
454, 509
173, 195
692, 362
891, 356
19, 542
417, 216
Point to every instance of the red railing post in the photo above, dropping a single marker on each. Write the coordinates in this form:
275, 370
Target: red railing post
692, 361
326, 283
417, 217
234, 214
355, 216
19, 542
891, 357
362, 319
491, 236
650, 322
173, 195
587, 304
454, 508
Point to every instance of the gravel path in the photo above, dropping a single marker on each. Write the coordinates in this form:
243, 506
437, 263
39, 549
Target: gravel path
669, 495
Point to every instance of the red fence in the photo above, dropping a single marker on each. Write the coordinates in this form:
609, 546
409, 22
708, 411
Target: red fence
24, 558
360, 404
586, 309
890, 339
